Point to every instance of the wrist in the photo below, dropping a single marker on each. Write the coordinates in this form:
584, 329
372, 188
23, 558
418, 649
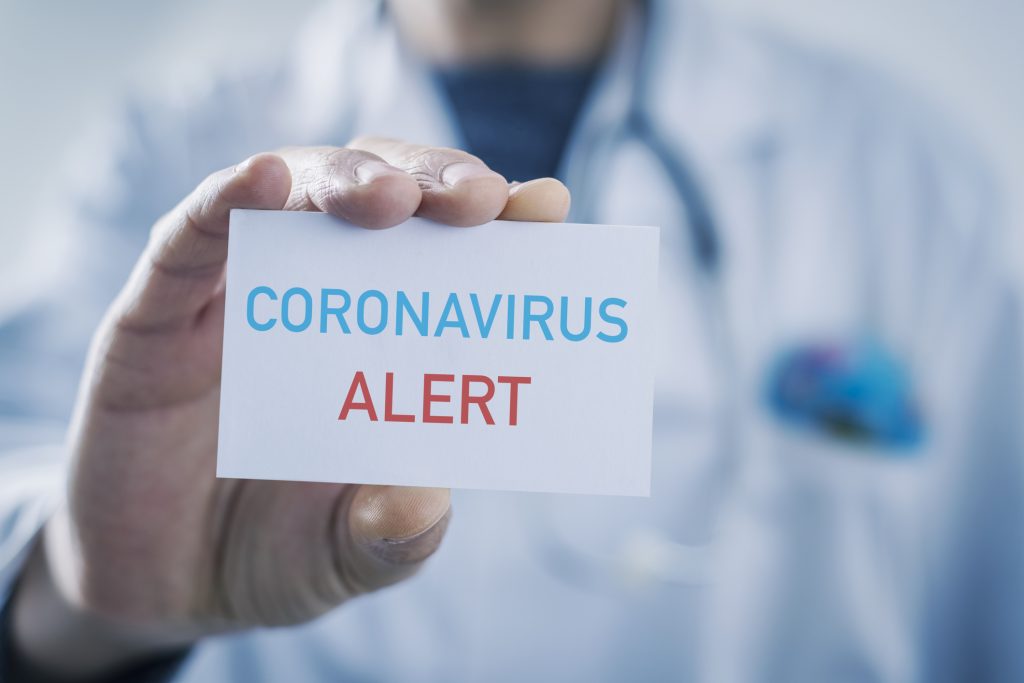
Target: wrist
62, 639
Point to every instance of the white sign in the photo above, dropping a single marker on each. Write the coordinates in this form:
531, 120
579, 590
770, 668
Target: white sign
507, 356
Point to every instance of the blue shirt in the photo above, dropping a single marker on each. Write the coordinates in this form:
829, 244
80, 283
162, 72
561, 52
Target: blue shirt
517, 118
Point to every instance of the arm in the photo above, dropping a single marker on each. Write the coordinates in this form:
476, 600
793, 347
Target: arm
151, 552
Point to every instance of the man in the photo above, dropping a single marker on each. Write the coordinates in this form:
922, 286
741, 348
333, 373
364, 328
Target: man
809, 214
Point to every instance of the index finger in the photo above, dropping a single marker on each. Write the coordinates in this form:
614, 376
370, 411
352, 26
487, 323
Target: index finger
183, 264
457, 188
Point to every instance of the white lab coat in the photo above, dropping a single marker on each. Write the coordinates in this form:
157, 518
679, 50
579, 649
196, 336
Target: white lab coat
764, 553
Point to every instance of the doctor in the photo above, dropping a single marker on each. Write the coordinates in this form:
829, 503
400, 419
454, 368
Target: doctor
839, 462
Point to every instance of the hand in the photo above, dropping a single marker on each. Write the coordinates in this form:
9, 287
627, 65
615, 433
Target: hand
152, 551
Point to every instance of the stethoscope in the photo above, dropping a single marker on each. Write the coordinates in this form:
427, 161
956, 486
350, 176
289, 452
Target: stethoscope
647, 555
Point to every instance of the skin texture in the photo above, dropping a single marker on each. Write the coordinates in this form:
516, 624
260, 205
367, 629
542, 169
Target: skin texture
152, 551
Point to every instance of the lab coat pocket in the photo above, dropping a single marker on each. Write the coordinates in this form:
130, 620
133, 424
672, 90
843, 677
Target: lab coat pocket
820, 551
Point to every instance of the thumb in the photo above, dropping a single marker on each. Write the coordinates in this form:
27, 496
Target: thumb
391, 530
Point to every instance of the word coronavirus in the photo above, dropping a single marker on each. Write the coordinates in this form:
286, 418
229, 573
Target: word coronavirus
470, 315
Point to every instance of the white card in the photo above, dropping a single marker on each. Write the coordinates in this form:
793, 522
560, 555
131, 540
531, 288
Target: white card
427, 355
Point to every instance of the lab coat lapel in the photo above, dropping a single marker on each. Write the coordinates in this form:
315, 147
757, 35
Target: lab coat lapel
398, 96
351, 76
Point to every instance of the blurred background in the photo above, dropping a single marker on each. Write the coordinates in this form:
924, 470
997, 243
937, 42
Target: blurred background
64, 64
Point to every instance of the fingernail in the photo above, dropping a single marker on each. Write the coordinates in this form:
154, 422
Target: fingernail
244, 165
411, 549
456, 172
513, 188
368, 171
533, 182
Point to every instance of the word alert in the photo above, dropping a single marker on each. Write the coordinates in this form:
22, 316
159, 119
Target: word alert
471, 391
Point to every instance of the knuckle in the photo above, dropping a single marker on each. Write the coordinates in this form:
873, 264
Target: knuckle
344, 163
340, 157
159, 231
426, 164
